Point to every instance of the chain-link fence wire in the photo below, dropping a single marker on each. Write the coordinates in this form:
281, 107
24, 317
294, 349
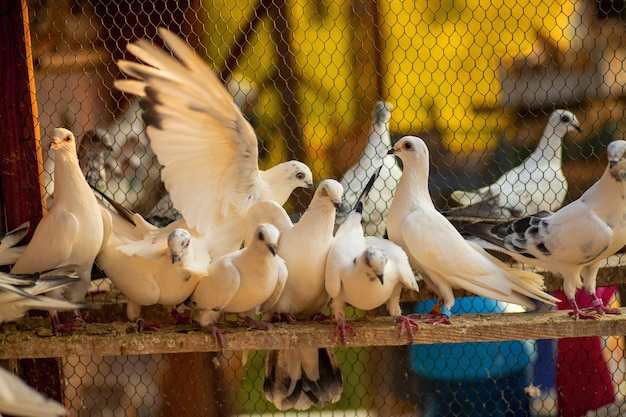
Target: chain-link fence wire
477, 80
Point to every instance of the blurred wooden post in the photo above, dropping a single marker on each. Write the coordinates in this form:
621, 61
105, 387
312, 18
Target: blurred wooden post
20, 177
21, 185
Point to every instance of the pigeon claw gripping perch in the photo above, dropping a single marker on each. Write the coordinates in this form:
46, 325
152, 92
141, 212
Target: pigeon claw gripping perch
340, 331
441, 315
408, 324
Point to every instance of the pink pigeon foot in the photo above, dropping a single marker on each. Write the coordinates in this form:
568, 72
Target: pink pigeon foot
143, 326
600, 308
179, 318
256, 324
71, 324
408, 324
577, 313
59, 327
442, 319
340, 330
440, 315
218, 334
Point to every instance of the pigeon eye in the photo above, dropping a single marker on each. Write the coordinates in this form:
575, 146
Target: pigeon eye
407, 146
566, 119
300, 176
260, 236
67, 138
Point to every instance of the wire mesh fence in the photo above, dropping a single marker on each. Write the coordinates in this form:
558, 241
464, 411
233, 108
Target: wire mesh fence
477, 80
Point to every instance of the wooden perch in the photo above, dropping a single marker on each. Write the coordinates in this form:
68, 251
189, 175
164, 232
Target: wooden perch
33, 337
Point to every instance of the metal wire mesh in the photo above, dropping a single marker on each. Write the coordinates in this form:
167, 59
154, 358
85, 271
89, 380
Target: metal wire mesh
476, 79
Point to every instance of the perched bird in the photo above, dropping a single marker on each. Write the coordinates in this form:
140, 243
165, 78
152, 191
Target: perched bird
438, 251
354, 179
71, 232
19, 399
575, 240
208, 150
536, 184
241, 282
301, 378
366, 272
147, 268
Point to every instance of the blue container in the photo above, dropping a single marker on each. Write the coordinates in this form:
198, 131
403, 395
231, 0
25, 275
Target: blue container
466, 362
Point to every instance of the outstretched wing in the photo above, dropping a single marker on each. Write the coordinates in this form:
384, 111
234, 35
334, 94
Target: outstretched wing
208, 150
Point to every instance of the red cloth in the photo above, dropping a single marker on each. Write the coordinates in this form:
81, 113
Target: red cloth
583, 380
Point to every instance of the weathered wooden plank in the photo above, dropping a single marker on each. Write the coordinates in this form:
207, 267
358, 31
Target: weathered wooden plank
33, 337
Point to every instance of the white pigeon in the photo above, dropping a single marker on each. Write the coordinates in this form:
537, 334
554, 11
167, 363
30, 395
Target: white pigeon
354, 179
19, 399
366, 272
575, 240
147, 268
241, 282
535, 185
71, 232
301, 378
437, 250
208, 150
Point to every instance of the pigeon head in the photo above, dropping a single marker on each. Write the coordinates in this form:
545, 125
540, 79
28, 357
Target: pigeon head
300, 175
268, 234
290, 174
615, 154
178, 241
376, 259
564, 121
62, 139
330, 190
410, 147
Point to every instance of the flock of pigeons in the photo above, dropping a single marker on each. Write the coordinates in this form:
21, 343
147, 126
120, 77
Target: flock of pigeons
335, 253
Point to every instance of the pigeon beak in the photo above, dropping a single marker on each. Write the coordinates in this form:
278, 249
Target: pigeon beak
175, 257
272, 249
54, 143
613, 162
337, 204
381, 278
578, 128
391, 151
310, 186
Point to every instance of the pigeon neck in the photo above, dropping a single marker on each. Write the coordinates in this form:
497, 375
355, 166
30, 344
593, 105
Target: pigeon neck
277, 187
606, 188
378, 142
68, 176
319, 219
414, 182
549, 146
